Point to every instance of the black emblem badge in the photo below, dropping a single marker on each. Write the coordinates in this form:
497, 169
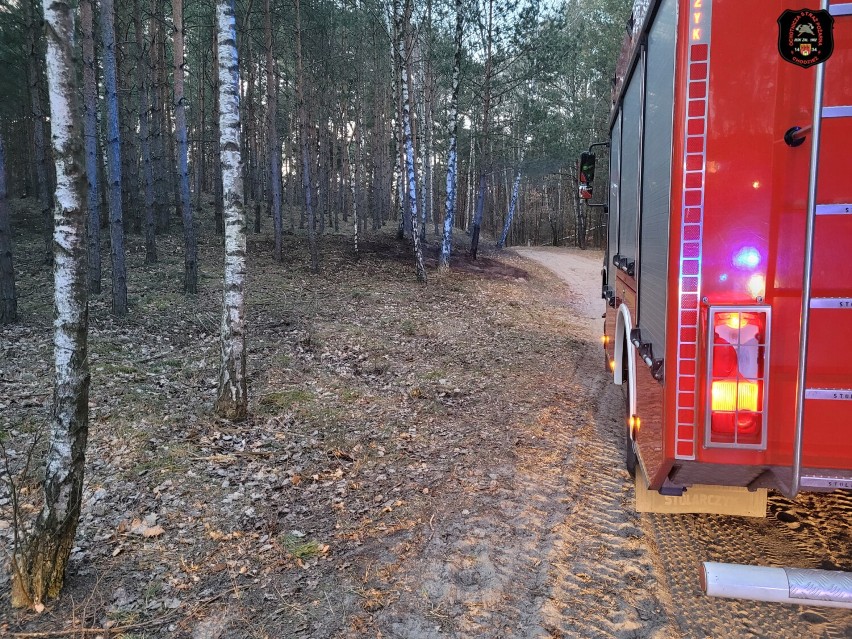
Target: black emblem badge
805, 36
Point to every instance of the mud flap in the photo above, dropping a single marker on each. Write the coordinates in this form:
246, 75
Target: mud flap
713, 500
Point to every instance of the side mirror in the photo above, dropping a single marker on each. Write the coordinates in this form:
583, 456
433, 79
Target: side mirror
586, 174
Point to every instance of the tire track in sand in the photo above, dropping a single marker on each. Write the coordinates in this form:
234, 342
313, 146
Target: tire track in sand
549, 549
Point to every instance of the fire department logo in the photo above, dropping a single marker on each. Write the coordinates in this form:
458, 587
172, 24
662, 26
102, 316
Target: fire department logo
805, 36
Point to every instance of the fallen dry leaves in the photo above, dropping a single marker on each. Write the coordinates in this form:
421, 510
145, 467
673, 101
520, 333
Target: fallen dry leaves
367, 396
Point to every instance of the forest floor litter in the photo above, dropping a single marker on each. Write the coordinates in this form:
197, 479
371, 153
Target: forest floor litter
419, 462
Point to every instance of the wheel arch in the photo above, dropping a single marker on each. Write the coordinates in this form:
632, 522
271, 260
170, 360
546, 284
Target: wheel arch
623, 326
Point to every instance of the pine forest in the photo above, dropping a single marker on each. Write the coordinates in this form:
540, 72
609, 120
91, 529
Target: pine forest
255, 302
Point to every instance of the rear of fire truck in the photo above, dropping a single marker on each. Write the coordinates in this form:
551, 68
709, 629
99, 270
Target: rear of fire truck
727, 272
727, 275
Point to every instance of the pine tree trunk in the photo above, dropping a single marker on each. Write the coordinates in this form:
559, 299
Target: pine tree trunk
200, 126
39, 569
304, 144
218, 203
334, 214
404, 25
116, 227
485, 155
90, 126
274, 143
8, 296
468, 209
158, 154
172, 183
322, 173
352, 163
129, 163
248, 122
34, 78
190, 262
232, 401
358, 183
145, 138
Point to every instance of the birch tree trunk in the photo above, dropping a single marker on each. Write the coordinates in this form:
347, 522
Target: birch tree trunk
403, 28
274, 144
116, 226
190, 262
429, 126
452, 155
232, 401
90, 131
8, 296
417, 127
145, 138
39, 569
502, 242
398, 184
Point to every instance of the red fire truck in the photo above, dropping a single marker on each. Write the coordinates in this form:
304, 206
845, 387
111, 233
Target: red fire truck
728, 268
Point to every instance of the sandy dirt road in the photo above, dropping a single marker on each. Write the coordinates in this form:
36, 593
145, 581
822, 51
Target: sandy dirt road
543, 541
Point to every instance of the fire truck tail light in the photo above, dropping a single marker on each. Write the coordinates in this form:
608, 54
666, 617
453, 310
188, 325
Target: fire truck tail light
733, 395
737, 365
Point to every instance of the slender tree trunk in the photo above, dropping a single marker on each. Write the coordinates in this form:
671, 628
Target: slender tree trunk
417, 127
90, 126
348, 177
190, 262
158, 153
145, 138
34, 79
399, 181
485, 155
218, 198
303, 136
116, 226
405, 73
39, 570
248, 122
353, 183
294, 175
274, 145
232, 401
468, 210
428, 130
127, 130
8, 296
359, 180
452, 155
336, 151
511, 213
200, 152
322, 174
172, 184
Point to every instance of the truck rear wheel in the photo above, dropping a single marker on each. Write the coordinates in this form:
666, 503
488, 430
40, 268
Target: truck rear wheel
629, 451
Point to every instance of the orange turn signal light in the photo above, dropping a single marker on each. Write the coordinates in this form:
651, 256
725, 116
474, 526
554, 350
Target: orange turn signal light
730, 395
